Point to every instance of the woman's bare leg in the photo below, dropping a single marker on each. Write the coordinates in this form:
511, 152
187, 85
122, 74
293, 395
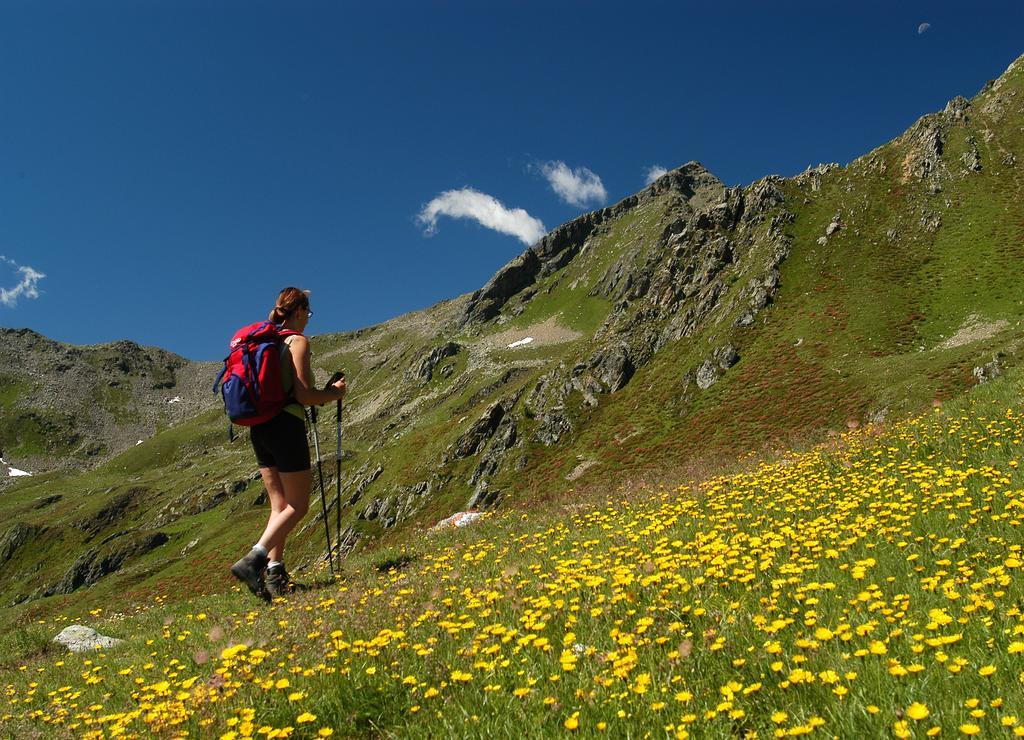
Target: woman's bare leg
275, 492
296, 495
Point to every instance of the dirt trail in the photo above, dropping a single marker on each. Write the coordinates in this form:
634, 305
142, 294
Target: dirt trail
974, 329
545, 333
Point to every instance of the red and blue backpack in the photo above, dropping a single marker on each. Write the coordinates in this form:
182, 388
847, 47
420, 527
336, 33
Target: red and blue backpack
252, 386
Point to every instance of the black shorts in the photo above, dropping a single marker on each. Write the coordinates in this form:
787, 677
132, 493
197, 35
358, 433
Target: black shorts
281, 443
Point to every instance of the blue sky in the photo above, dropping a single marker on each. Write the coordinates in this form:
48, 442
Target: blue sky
169, 166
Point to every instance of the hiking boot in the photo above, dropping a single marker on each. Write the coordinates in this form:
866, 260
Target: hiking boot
280, 583
249, 570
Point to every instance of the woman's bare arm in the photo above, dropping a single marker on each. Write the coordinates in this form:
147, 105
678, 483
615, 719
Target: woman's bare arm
305, 394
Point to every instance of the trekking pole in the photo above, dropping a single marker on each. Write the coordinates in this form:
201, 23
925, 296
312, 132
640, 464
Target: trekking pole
337, 466
337, 478
323, 497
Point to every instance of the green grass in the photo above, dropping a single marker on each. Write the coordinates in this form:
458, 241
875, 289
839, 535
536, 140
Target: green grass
809, 588
25, 433
12, 389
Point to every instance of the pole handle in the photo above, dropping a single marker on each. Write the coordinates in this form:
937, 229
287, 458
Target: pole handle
338, 375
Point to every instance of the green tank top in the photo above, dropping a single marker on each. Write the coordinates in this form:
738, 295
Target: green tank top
288, 381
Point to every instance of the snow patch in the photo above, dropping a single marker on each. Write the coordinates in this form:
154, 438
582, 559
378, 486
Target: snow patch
520, 343
176, 399
13, 472
138, 443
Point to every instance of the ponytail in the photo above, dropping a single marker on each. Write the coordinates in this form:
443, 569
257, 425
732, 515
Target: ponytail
288, 301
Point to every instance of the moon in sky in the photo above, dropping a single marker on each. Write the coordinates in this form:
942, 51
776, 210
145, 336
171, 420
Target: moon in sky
923, 27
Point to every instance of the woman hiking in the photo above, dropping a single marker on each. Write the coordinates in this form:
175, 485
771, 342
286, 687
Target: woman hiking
282, 451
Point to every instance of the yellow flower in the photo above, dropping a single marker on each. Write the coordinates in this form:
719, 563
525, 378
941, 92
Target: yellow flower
917, 711
987, 670
325, 732
282, 683
969, 729
304, 718
571, 723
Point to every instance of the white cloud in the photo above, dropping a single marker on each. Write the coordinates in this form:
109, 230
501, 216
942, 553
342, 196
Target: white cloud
577, 187
26, 288
485, 210
654, 172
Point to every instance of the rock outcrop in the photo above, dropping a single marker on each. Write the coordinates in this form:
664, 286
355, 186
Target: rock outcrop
101, 561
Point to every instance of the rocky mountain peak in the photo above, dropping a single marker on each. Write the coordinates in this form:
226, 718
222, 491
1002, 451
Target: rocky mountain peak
688, 180
63, 405
691, 183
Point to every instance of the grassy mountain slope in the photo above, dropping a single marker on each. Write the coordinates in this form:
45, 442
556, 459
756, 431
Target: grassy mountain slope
690, 324
869, 586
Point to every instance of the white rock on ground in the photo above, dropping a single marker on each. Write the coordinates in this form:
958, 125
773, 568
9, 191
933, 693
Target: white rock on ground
81, 639
520, 343
460, 519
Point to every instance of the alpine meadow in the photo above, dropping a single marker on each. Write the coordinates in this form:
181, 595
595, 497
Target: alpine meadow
748, 461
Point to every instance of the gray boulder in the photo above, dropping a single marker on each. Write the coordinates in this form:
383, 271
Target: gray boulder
988, 371
711, 369
81, 639
726, 356
707, 374
744, 320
